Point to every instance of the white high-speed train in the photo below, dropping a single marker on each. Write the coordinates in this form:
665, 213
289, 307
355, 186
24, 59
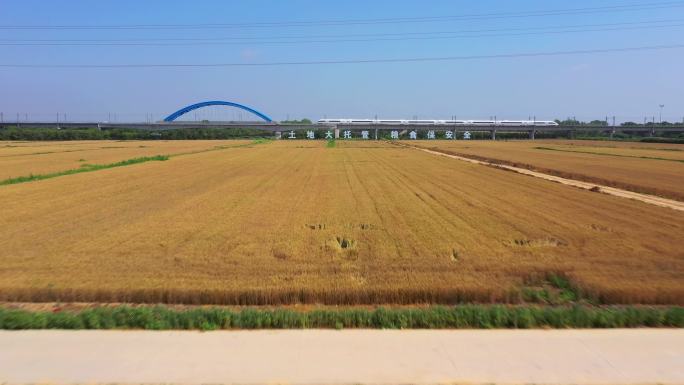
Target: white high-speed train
504, 123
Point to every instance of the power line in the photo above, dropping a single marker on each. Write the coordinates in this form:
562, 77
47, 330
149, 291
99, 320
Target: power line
281, 36
401, 20
356, 61
396, 37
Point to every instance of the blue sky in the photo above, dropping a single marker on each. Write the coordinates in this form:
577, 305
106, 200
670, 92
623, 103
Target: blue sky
629, 85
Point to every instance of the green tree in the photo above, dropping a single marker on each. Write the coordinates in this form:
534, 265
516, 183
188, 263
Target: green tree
295, 121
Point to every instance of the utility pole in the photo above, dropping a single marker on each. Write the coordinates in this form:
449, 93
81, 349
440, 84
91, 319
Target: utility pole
613, 121
661, 112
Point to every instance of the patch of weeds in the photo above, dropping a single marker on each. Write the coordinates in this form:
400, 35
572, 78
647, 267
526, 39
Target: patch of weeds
553, 289
568, 292
331, 143
535, 295
261, 141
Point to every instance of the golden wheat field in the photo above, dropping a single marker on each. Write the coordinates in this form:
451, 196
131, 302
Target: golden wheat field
650, 168
295, 222
26, 158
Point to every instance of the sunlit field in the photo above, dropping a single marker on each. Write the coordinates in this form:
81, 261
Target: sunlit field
357, 223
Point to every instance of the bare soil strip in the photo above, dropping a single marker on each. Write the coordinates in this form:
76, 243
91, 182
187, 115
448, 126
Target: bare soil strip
643, 356
650, 199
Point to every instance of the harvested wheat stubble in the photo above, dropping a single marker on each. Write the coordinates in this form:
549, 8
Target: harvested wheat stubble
651, 168
292, 222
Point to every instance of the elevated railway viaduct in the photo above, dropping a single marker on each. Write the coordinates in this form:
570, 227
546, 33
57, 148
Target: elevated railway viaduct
374, 129
277, 129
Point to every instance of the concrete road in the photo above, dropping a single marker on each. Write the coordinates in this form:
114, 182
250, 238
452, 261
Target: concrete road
344, 357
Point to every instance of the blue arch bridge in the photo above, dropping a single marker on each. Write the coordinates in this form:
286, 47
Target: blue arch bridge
195, 106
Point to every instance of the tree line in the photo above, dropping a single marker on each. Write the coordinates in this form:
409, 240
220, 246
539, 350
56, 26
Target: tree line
605, 123
46, 134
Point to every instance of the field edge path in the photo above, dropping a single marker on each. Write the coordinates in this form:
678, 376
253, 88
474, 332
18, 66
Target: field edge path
650, 199
643, 356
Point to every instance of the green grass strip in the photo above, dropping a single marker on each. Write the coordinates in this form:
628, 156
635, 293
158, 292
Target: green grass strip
83, 168
331, 143
436, 317
606, 154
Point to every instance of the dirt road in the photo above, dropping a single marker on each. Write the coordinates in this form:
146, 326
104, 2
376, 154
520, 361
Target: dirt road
344, 357
650, 199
